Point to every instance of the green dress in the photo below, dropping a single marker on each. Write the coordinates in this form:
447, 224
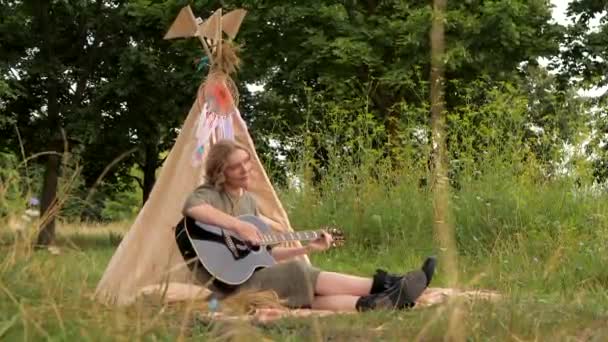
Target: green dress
292, 281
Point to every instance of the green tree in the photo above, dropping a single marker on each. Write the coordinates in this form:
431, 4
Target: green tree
95, 77
151, 90
380, 50
56, 59
584, 63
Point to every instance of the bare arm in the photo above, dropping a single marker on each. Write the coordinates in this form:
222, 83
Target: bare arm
320, 244
206, 213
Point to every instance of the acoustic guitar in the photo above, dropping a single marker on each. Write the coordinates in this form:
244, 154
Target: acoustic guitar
230, 260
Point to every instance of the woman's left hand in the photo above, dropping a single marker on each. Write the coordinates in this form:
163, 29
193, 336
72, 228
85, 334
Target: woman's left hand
321, 244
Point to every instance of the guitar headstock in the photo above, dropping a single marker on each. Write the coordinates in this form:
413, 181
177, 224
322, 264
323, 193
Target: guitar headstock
337, 235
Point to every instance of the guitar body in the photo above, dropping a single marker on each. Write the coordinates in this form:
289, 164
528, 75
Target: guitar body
229, 260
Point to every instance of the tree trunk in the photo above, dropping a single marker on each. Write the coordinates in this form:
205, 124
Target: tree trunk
51, 174
149, 169
48, 200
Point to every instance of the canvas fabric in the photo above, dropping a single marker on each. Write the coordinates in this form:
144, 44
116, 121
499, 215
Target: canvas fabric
148, 254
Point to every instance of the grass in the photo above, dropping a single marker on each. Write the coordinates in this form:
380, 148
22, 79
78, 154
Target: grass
541, 244
553, 277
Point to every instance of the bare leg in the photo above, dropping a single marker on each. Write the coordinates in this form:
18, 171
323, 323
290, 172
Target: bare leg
331, 283
335, 303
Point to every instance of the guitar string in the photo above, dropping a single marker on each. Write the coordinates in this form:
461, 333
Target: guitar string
270, 238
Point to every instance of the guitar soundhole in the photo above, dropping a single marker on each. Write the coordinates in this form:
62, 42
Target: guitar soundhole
244, 247
253, 249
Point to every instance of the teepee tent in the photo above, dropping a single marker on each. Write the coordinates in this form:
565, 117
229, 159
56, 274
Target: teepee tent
148, 255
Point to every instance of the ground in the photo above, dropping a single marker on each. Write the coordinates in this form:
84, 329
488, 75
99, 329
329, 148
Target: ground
46, 295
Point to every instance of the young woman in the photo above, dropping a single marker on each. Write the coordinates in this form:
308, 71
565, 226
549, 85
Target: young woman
224, 196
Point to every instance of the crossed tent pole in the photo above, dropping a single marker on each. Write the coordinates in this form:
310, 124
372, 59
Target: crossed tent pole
209, 31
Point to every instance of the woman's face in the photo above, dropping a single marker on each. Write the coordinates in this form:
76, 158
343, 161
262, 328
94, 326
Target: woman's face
238, 169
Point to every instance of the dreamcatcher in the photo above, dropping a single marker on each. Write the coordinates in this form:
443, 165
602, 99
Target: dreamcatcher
217, 96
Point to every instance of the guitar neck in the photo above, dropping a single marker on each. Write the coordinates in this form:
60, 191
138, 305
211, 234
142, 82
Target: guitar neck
274, 238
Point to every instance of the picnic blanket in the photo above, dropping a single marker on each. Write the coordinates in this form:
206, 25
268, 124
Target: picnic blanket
266, 307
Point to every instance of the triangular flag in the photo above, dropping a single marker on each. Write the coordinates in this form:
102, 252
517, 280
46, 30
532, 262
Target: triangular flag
183, 26
231, 22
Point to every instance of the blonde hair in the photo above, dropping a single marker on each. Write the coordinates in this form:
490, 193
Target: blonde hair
215, 163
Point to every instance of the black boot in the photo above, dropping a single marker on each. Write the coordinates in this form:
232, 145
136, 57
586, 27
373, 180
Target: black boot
402, 295
383, 280
429, 268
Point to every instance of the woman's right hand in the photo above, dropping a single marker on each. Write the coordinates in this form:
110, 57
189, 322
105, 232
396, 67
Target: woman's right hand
248, 233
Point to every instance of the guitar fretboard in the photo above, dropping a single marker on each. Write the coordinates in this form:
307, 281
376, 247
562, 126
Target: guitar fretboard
274, 238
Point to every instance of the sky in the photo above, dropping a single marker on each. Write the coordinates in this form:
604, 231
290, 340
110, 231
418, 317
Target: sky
559, 11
